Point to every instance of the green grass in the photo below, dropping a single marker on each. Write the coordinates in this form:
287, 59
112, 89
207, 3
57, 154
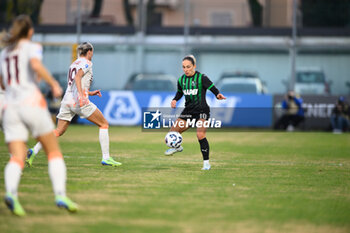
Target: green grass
259, 182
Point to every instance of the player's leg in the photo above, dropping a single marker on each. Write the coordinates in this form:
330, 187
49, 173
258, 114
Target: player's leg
64, 117
42, 129
62, 126
13, 171
178, 126
57, 171
16, 134
97, 118
204, 145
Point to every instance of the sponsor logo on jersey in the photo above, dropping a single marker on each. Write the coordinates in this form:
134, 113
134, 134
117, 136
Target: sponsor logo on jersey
86, 65
39, 52
191, 92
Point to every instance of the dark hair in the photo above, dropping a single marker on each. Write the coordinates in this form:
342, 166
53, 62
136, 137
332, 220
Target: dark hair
19, 29
83, 48
190, 58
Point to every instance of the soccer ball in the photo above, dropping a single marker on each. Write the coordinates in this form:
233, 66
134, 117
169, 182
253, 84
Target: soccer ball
173, 139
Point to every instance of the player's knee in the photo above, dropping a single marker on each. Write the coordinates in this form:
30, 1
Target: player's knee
200, 135
56, 154
176, 129
58, 132
104, 125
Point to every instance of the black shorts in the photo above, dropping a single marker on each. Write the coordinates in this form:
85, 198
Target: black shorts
190, 114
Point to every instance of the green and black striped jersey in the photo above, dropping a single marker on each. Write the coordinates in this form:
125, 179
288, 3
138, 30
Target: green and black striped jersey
195, 88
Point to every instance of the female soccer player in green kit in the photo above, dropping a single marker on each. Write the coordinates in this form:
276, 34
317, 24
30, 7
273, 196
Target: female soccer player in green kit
194, 86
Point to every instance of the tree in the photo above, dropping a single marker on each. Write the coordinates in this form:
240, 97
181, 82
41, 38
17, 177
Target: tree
96, 10
127, 12
320, 13
256, 12
3, 8
152, 18
35, 14
10, 9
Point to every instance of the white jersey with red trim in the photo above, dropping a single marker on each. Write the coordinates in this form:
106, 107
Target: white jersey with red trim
18, 77
71, 97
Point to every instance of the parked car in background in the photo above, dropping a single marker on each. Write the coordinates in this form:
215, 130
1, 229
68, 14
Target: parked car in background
239, 74
151, 82
311, 81
241, 85
241, 82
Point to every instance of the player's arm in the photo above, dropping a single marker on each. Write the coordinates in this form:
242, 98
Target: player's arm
208, 84
42, 72
96, 92
178, 95
82, 98
1, 84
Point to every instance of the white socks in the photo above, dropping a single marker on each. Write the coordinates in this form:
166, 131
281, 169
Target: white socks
57, 172
37, 148
206, 163
104, 142
12, 177
58, 176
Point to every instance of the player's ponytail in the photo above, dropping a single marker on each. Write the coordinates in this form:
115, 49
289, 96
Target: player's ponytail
83, 48
190, 58
19, 29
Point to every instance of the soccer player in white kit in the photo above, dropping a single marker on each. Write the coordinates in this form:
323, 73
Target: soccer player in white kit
2, 103
76, 101
26, 111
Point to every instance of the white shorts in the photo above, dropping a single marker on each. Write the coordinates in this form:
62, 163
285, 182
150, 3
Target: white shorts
67, 112
2, 101
19, 120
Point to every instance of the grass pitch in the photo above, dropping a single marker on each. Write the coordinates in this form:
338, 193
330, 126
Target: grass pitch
259, 182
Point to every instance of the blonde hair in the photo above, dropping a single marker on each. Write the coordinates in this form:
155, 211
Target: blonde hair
83, 48
3, 34
191, 58
19, 29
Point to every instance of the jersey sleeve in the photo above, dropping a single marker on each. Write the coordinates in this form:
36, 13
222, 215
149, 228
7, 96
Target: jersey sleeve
1, 55
179, 92
85, 66
208, 84
35, 51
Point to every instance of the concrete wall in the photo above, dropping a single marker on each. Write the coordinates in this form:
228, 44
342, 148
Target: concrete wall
113, 64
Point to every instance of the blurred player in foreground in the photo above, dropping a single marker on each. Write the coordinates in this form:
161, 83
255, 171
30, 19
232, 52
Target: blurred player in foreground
26, 110
194, 86
2, 103
76, 101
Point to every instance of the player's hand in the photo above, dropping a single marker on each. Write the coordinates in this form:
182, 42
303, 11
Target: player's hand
220, 97
173, 103
56, 90
83, 101
96, 92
